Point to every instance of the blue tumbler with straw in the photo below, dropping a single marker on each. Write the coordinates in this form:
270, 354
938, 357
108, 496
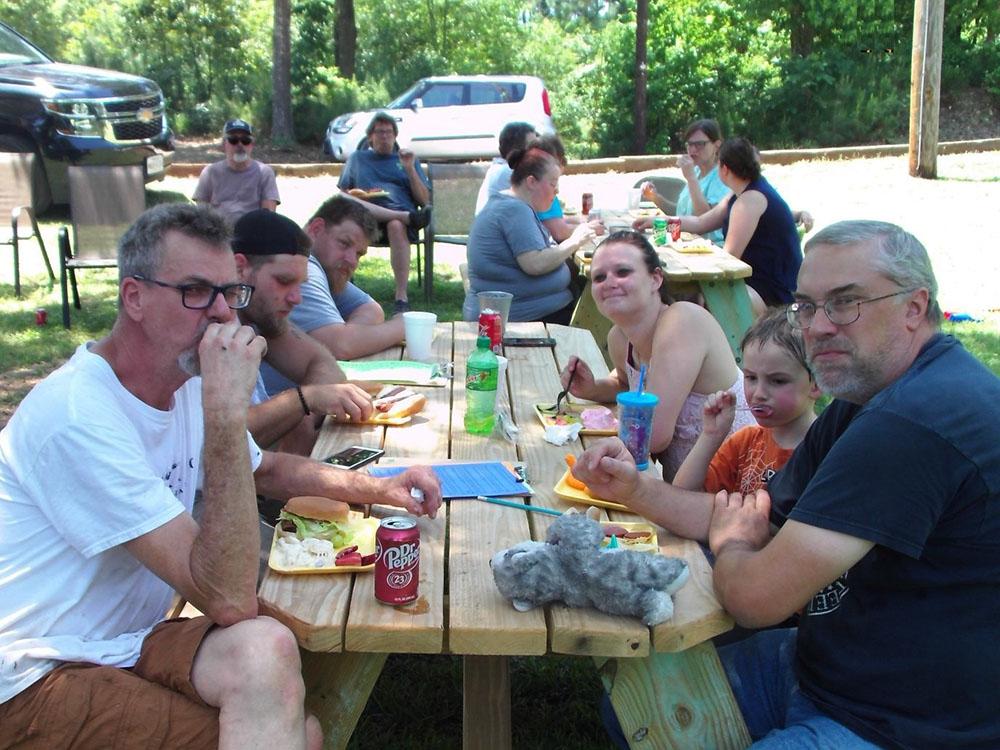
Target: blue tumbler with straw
635, 424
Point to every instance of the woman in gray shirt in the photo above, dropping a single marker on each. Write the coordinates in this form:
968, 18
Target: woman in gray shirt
510, 250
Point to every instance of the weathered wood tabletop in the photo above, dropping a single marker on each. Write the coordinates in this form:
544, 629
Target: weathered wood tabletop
665, 682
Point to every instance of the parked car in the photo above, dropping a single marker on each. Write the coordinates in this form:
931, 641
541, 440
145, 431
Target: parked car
71, 114
450, 117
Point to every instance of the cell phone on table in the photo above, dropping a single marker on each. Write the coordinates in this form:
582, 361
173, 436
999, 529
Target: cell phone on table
354, 457
528, 341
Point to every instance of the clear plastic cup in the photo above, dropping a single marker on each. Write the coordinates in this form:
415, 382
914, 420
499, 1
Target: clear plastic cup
635, 424
498, 302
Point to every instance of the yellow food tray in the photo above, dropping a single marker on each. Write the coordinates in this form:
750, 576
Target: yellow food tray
572, 416
563, 490
362, 534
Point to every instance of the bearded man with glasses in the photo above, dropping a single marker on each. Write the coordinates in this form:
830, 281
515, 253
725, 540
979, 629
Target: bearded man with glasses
888, 535
239, 183
99, 467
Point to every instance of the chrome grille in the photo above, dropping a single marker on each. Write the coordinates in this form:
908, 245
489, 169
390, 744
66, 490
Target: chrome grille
121, 121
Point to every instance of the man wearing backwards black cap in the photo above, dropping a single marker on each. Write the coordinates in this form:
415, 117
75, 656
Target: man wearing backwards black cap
240, 183
272, 253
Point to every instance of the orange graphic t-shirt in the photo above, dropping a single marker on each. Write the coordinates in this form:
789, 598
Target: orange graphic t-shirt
746, 461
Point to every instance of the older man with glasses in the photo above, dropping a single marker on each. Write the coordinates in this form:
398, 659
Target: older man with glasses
239, 183
888, 537
98, 472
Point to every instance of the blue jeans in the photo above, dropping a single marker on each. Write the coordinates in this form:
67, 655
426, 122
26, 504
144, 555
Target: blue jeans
761, 673
778, 716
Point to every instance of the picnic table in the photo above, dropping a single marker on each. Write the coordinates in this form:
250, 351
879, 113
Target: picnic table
665, 682
716, 274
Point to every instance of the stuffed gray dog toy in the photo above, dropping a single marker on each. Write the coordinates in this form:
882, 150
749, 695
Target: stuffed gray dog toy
570, 567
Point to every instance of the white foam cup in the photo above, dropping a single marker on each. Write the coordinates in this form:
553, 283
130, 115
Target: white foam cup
419, 328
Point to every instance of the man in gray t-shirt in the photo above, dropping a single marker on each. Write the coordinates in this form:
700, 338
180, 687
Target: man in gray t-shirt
333, 310
239, 184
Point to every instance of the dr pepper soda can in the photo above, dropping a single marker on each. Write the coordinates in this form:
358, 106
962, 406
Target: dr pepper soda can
397, 561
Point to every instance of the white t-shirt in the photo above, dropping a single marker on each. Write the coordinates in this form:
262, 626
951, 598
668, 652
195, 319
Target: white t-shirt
84, 467
497, 178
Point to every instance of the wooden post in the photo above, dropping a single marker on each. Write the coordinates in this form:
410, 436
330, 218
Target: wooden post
925, 86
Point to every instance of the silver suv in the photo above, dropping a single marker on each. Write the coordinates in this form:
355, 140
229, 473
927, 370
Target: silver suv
450, 117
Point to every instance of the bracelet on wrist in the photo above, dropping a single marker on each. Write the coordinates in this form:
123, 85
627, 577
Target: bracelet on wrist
302, 400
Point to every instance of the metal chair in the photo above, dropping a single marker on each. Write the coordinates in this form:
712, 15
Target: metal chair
103, 203
16, 202
455, 187
668, 187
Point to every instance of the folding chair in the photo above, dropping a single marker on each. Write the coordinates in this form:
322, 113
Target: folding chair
668, 187
456, 187
103, 203
16, 202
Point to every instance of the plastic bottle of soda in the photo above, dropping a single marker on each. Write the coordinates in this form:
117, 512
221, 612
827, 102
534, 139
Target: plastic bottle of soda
480, 389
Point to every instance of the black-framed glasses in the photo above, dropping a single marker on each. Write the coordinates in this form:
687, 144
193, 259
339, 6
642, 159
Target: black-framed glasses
841, 311
201, 296
697, 144
234, 139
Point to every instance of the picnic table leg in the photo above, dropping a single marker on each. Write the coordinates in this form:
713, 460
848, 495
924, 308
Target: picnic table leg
675, 700
486, 703
337, 689
729, 303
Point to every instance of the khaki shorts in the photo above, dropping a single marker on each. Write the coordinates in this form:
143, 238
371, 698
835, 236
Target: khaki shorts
151, 705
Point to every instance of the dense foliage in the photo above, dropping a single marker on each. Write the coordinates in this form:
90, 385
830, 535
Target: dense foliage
783, 72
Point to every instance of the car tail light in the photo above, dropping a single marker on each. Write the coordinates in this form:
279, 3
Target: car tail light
545, 102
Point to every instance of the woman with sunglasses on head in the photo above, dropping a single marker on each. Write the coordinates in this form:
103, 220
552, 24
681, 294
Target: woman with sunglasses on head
684, 349
757, 224
510, 250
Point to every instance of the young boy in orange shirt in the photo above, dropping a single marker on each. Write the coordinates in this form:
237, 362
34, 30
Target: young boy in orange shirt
782, 396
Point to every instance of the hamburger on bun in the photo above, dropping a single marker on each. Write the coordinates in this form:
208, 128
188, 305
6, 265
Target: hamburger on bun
316, 518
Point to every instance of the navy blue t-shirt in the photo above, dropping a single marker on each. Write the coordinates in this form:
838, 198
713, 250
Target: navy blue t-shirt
367, 169
902, 649
774, 252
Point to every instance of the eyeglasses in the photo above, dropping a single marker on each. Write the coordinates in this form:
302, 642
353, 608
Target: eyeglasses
202, 296
245, 140
841, 311
384, 131
697, 144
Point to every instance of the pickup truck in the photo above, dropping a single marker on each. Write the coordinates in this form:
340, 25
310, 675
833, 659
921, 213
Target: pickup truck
71, 114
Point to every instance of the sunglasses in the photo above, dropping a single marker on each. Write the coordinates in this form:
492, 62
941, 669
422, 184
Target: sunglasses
245, 140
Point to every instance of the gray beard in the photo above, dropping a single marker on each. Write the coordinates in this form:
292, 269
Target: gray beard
189, 362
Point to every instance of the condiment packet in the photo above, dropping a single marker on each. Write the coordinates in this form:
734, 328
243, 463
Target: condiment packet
560, 434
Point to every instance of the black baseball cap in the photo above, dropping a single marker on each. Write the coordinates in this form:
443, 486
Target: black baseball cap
234, 125
264, 232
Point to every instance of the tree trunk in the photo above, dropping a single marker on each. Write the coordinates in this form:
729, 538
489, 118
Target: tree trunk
925, 87
641, 32
282, 130
345, 42
801, 32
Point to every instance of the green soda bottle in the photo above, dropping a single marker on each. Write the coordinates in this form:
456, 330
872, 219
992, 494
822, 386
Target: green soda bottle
481, 389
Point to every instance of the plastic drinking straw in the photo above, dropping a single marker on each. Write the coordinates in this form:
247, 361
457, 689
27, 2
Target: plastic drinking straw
519, 506
642, 379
